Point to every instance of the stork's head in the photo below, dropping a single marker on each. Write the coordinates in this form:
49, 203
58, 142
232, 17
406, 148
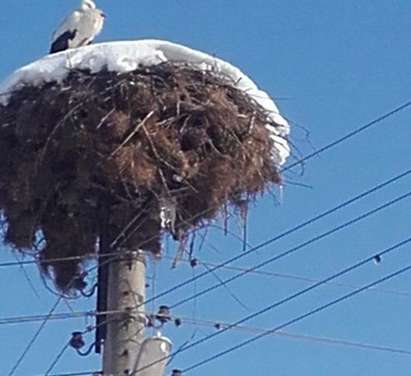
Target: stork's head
87, 4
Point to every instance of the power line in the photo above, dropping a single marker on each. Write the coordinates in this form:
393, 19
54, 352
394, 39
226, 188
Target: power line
293, 249
33, 339
24, 319
293, 336
61, 259
81, 314
321, 282
259, 246
21, 319
350, 135
291, 297
299, 337
282, 235
248, 270
327, 147
252, 249
319, 151
57, 359
82, 373
299, 318
66, 346
58, 316
302, 278
254, 269
43, 324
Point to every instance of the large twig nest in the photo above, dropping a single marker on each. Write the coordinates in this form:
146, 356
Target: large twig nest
159, 149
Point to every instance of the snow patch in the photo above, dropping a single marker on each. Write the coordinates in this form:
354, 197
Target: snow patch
126, 56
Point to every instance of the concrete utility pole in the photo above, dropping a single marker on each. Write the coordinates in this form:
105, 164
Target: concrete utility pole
125, 330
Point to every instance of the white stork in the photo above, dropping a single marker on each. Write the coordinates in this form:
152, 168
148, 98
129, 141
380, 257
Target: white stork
79, 28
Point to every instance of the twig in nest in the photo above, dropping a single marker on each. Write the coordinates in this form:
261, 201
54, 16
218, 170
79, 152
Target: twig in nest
131, 135
180, 252
155, 151
123, 232
164, 181
58, 125
105, 117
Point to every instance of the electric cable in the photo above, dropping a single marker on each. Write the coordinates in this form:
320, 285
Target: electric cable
319, 151
291, 297
41, 327
238, 275
349, 135
81, 373
298, 318
261, 245
253, 249
268, 242
296, 336
57, 359
282, 235
293, 249
219, 324
33, 339
295, 277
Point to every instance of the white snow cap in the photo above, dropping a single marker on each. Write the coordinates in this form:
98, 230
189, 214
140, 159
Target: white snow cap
130, 55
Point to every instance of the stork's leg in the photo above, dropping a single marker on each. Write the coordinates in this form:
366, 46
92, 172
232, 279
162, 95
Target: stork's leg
85, 42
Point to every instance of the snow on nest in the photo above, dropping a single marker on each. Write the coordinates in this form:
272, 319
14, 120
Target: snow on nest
128, 56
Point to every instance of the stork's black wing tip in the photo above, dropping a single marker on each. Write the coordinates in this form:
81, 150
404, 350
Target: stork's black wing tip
62, 42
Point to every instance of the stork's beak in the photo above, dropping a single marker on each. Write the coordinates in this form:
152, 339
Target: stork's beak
103, 15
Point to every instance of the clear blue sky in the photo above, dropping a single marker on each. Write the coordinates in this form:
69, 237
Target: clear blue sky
334, 65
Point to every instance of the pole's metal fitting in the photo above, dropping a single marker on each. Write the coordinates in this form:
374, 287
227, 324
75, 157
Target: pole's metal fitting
77, 341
